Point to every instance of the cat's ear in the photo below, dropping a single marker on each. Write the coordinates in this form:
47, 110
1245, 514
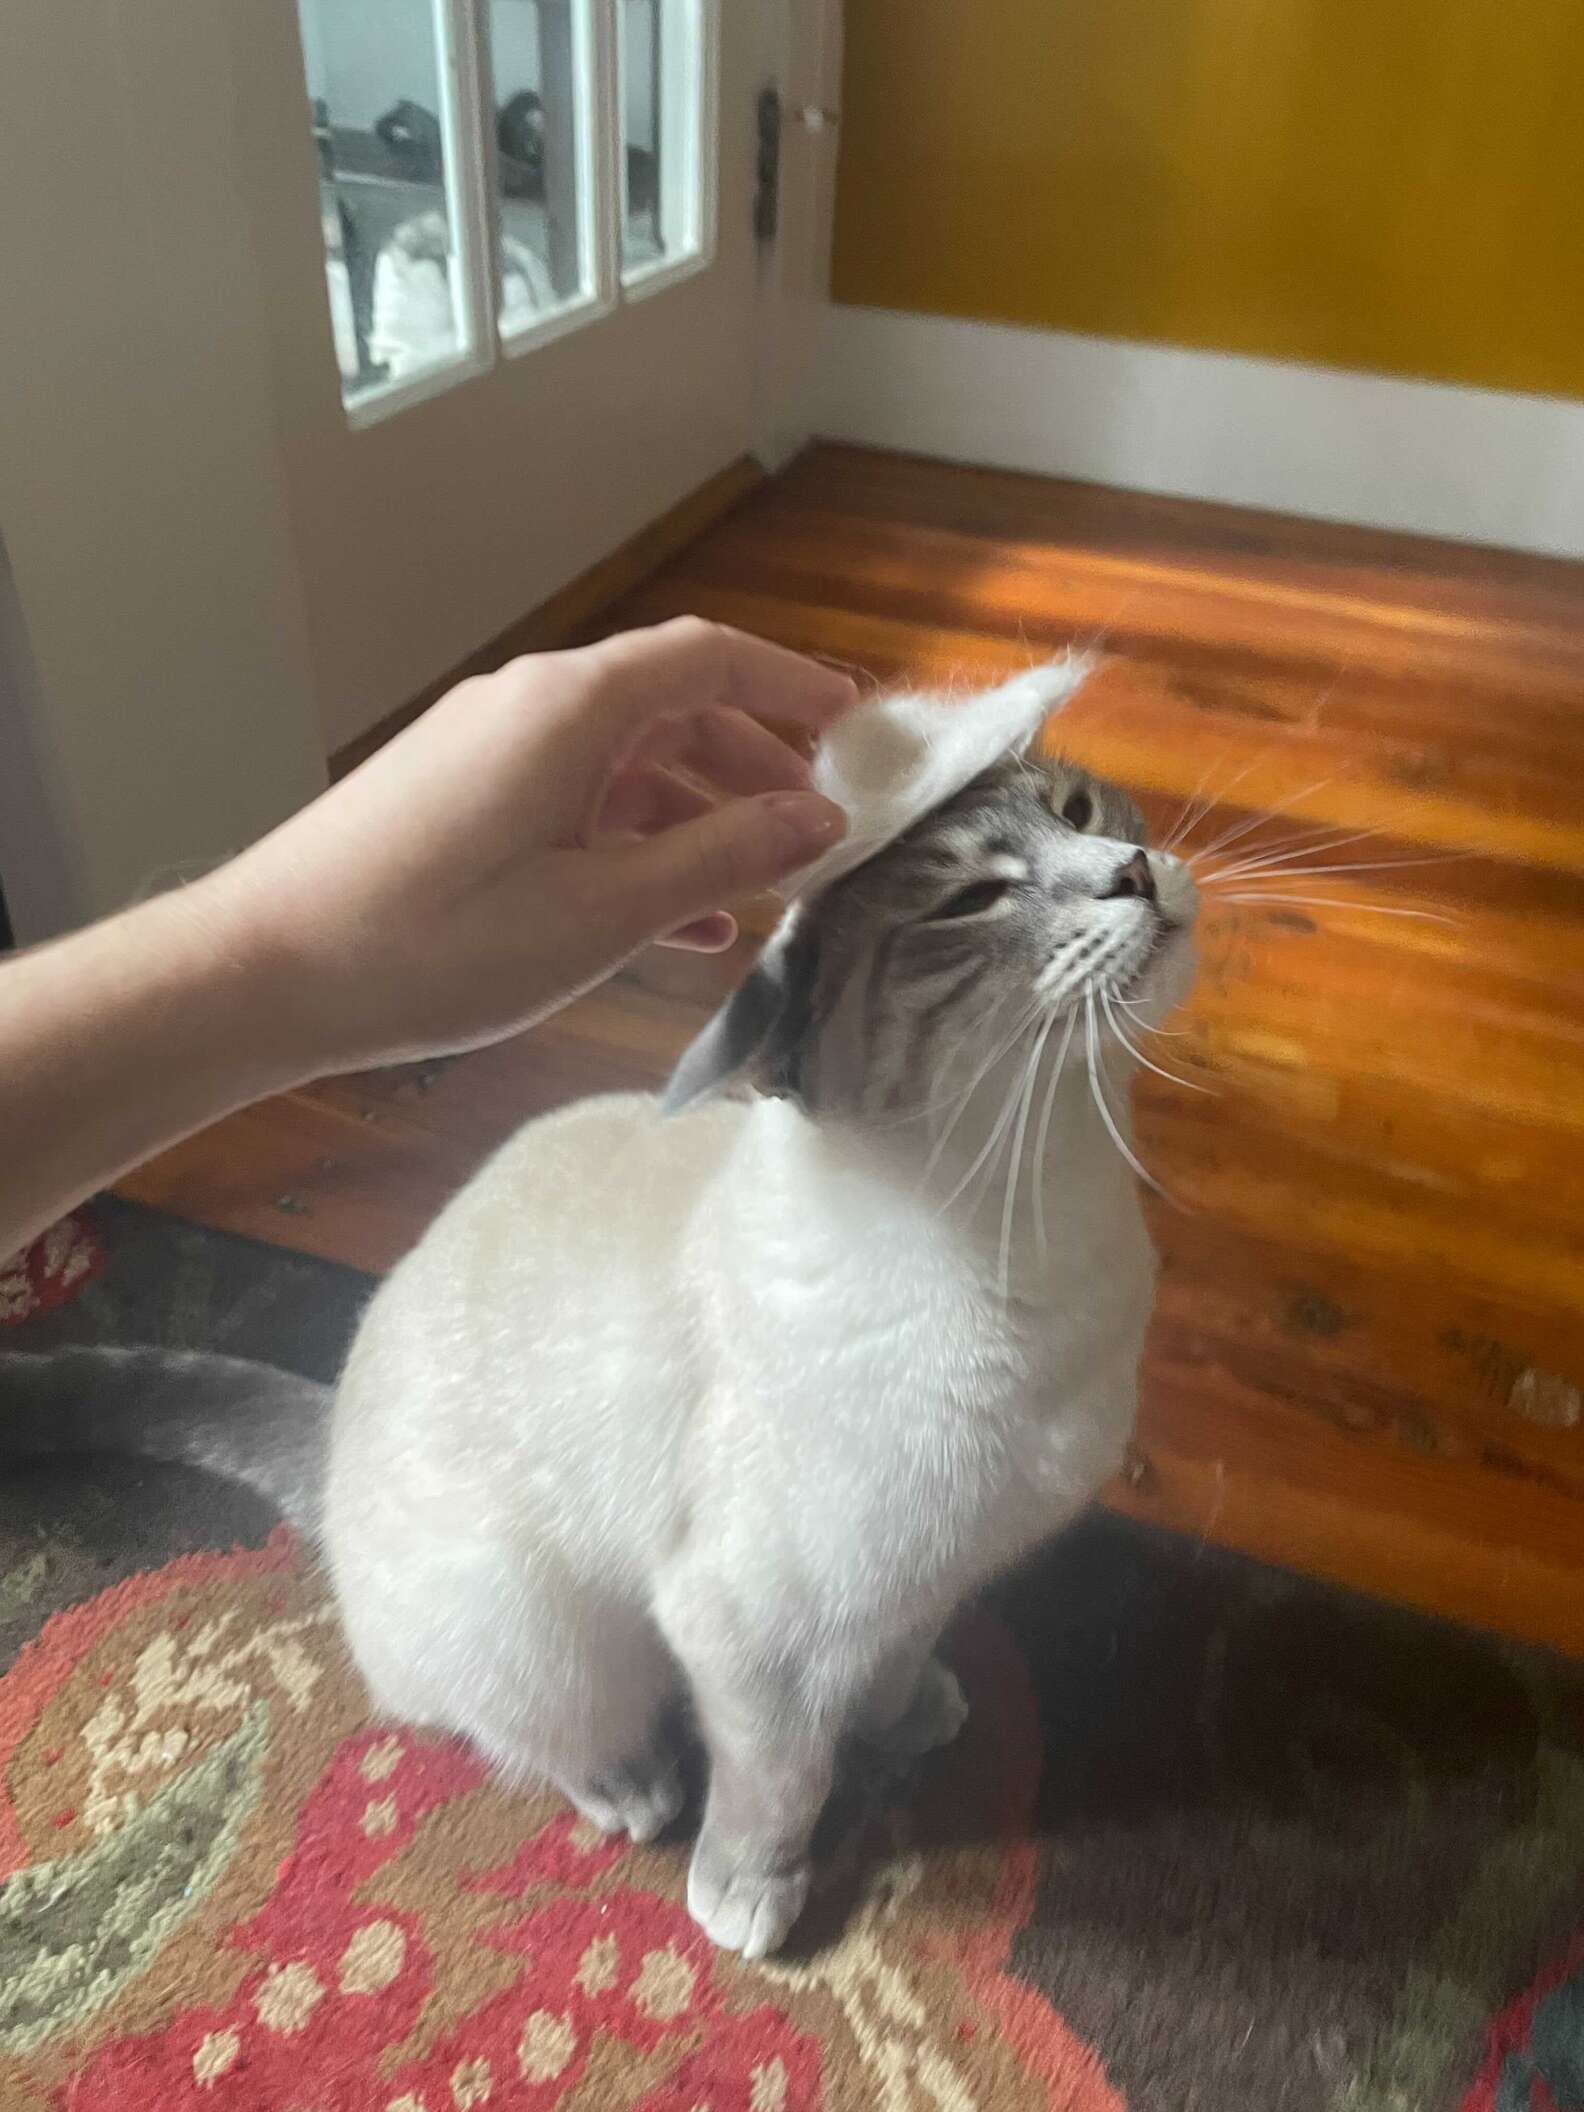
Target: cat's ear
758, 1036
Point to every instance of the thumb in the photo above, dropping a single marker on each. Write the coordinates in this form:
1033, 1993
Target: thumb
736, 850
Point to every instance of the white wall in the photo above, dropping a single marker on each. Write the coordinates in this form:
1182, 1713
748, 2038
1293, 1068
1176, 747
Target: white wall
41, 861
1480, 465
163, 685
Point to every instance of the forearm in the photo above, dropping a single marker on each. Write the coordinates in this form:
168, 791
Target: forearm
124, 1038
510, 849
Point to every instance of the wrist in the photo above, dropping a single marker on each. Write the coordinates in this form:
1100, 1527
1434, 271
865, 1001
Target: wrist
121, 1040
224, 969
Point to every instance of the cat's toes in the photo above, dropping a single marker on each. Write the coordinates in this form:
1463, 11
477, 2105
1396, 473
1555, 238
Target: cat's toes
600, 1812
744, 1909
639, 1804
934, 1716
647, 1808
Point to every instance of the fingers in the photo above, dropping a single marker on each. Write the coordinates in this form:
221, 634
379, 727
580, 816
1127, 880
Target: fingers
645, 799
672, 880
726, 748
642, 802
689, 693
688, 664
716, 933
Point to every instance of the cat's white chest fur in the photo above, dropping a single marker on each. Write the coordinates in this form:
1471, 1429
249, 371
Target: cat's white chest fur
898, 1404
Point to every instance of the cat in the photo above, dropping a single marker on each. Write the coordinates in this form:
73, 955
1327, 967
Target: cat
736, 1400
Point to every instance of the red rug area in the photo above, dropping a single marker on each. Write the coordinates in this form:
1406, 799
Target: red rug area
236, 1890
49, 1272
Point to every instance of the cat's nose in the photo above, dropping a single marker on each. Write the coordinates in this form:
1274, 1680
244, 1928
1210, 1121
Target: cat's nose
1133, 878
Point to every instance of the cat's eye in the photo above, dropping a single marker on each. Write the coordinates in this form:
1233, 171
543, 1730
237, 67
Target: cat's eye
1078, 811
969, 901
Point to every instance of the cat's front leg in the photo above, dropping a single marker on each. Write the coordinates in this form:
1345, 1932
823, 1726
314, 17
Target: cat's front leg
771, 1762
914, 1704
771, 1748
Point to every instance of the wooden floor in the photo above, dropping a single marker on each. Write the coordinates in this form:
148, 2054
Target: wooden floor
1369, 1350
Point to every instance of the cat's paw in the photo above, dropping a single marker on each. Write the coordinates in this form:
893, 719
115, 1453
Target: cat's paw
742, 1908
934, 1716
636, 1802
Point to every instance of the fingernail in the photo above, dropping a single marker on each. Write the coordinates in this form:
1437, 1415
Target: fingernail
807, 822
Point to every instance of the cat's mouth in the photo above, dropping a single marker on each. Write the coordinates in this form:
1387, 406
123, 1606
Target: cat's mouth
1140, 962
1124, 967
1133, 977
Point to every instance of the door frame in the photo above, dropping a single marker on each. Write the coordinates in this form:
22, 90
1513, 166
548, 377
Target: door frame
803, 58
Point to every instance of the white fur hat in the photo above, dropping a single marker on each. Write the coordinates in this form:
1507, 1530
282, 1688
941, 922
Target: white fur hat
893, 760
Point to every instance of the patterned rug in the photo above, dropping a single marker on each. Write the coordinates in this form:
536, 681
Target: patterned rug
1215, 1839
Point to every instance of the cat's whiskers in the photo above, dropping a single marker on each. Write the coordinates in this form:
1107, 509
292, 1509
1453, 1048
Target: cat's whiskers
1212, 798
1042, 1139
1138, 1055
1015, 1169
1193, 806
1216, 796
1310, 843
1258, 821
1267, 877
997, 1131
1372, 909
1355, 865
1102, 1106
1001, 1127
1146, 1026
960, 1101
920, 1110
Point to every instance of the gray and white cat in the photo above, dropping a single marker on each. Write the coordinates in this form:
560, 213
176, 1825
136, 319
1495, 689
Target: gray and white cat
737, 1401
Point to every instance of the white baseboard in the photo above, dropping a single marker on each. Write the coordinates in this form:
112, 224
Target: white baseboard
1480, 465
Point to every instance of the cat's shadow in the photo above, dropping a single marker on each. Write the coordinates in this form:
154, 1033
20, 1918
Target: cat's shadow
1221, 1748
1208, 1742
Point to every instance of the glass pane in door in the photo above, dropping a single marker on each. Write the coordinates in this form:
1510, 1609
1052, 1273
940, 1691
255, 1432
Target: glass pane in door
379, 86
641, 121
540, 54
664, 55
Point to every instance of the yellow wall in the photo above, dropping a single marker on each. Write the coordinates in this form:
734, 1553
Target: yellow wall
1386, 184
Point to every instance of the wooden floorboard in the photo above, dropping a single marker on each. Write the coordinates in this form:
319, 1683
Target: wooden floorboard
1369, 1348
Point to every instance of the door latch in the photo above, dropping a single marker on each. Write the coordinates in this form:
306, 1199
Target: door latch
767, 176
773, 115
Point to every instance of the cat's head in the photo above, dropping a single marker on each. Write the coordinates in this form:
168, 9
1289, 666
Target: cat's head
981, 888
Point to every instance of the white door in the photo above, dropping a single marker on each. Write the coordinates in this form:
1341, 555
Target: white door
531, 323
335, 342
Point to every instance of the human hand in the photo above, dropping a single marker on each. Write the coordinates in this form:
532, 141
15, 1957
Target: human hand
525, 837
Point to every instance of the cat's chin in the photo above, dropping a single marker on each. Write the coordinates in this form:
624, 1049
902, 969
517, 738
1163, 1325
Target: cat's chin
1163, 979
